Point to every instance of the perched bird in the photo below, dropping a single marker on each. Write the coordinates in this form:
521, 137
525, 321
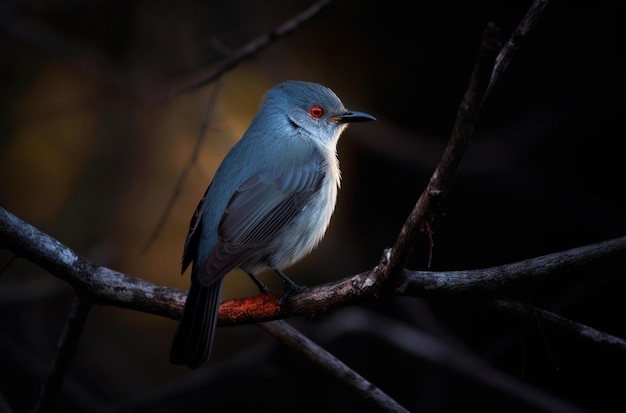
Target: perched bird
269, 204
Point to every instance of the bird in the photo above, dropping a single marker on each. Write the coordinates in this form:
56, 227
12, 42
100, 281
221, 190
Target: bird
268, 205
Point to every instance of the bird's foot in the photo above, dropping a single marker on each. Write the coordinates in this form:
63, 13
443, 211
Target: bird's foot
291, 287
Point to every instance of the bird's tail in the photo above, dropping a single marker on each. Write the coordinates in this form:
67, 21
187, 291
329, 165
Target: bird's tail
194, 336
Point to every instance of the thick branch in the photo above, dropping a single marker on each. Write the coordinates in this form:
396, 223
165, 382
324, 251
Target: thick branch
106, 286
103, 285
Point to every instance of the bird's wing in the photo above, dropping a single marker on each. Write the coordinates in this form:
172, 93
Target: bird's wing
193, 236
257, 211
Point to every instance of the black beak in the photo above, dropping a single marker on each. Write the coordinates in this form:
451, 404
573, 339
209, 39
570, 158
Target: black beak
350, 117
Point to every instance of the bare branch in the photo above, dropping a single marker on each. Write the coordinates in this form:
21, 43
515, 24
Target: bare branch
68, 346
494, 278
485, 75
441, 179
106, 286
562, 323
506, 54
103, 285
180, 183
254, 46
294, 339
362, 287
418, 344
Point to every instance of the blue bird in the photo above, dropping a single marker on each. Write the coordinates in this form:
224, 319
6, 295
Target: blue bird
269, 204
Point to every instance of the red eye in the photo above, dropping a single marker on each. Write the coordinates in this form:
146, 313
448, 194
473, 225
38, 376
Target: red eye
316, 112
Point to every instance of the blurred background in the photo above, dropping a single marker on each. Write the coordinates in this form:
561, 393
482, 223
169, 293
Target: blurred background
93, 142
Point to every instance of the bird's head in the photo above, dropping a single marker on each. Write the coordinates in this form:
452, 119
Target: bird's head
311, 110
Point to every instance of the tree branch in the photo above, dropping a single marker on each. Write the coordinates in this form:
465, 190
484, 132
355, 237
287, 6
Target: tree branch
103, 285
106, 286
364, 389
68, 345
253, 47
561, 323
495, 278
490, 65
182, 178
442, 177
418, 344
506, 54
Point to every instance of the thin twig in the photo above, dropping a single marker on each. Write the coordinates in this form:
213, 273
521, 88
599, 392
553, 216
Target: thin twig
8, 263
180, 183
68, 345
561, 323
253, 47
409, 340
316, 354
506, 54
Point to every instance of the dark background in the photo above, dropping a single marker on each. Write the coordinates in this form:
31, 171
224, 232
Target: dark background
90, 153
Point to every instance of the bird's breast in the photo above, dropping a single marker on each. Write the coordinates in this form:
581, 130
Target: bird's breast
308, 228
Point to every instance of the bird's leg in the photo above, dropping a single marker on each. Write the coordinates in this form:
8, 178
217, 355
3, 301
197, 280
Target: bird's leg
290, 287
262, 287
288, 282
